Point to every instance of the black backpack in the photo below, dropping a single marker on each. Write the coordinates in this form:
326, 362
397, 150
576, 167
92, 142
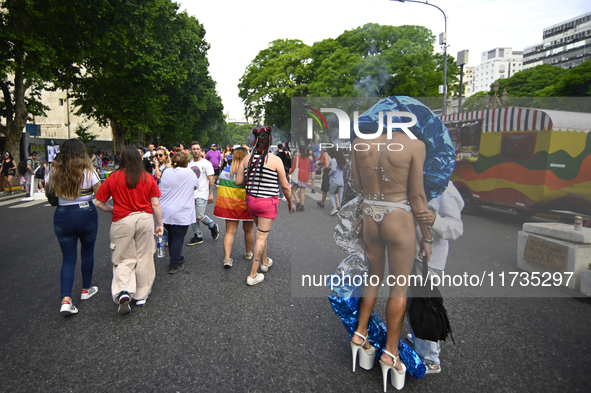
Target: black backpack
40, 172
22, 167
426, 314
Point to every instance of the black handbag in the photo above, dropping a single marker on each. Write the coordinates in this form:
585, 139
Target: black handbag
51, 197
427, 315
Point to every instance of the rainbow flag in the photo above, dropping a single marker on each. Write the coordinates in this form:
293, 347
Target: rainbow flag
230, 203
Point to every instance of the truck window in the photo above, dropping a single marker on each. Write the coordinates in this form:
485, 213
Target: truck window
518, 146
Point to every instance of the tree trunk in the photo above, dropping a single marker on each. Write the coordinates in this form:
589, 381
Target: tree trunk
119, 133
16, 118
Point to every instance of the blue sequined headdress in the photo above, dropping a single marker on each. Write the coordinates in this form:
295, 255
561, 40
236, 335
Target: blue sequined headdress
440, 159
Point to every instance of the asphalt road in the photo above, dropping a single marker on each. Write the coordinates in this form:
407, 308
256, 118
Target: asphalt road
204, 329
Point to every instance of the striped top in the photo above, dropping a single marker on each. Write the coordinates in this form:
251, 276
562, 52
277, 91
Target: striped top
266, 186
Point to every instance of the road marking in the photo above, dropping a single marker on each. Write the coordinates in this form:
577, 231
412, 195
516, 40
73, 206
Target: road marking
27, 204
9, 201
316, 196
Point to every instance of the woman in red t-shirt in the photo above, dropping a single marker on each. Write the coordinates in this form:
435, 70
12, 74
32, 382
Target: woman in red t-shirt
135, 203
302, 164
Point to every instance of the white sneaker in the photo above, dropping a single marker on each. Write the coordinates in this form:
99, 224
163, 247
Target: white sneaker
68, 308
282, 198
253, 281
265, 268
141, 302
228, 262
334, 211
248, 256
88, 293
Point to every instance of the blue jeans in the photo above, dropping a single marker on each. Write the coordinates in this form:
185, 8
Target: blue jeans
338, 190
200, 206
176, 241
427, 350
71, 223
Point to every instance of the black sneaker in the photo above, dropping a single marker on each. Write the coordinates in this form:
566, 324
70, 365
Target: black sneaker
195, 240
215, 232
300, 208
182, 259
320, 204
172, 269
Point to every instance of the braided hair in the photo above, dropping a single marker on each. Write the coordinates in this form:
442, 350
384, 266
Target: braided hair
262, 142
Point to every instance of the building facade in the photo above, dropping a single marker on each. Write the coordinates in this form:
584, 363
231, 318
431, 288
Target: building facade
467, 81
495, 64
566, 44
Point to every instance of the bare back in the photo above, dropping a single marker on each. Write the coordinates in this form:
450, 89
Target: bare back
385, 169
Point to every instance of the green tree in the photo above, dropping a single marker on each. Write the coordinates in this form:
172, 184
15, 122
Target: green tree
82, 132
529, 83
371, 60
274, 76
33, 52
574, 82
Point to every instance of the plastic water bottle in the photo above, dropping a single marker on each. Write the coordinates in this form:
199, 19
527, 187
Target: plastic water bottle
159, 247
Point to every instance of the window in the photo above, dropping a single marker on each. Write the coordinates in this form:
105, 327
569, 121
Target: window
61, 102
518, 146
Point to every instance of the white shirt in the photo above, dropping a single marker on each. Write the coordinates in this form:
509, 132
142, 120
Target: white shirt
202, 169
448, 225
90, 179
177, 202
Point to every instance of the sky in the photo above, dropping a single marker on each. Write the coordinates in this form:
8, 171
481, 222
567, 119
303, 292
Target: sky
238, 29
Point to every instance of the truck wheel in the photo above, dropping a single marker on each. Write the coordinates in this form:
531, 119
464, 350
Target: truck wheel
470, 207
525, 213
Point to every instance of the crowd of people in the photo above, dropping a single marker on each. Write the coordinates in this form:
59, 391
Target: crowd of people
159, 192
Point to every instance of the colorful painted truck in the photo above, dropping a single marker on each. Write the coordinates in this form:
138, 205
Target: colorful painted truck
529, 160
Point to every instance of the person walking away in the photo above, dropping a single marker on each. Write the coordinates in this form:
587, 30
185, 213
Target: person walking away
444, 217
204, 172
262, 174
215, 157
178, 206
312, 168
392, 186
286, 165
230, 205
135, 205
324, 177
300, 172
335, 190
8, 171
74, 180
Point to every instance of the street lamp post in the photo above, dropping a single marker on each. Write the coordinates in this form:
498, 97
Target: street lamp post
495, 101
442, 42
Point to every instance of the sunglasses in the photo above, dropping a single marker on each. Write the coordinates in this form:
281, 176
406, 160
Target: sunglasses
161, 155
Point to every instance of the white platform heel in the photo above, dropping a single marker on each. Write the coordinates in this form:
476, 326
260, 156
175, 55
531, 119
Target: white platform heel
366, 356
398, 376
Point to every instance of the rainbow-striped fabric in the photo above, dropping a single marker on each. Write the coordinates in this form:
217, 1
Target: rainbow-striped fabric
230, 203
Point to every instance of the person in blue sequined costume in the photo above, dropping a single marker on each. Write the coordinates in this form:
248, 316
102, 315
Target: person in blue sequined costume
392, 185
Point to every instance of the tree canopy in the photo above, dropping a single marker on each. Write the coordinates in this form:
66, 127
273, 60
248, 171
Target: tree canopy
544, 86
370, 61
139, 65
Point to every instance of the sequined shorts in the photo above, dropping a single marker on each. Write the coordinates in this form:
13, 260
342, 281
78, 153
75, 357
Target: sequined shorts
379, 209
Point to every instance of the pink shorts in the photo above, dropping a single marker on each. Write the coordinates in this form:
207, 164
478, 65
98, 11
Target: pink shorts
262, 207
